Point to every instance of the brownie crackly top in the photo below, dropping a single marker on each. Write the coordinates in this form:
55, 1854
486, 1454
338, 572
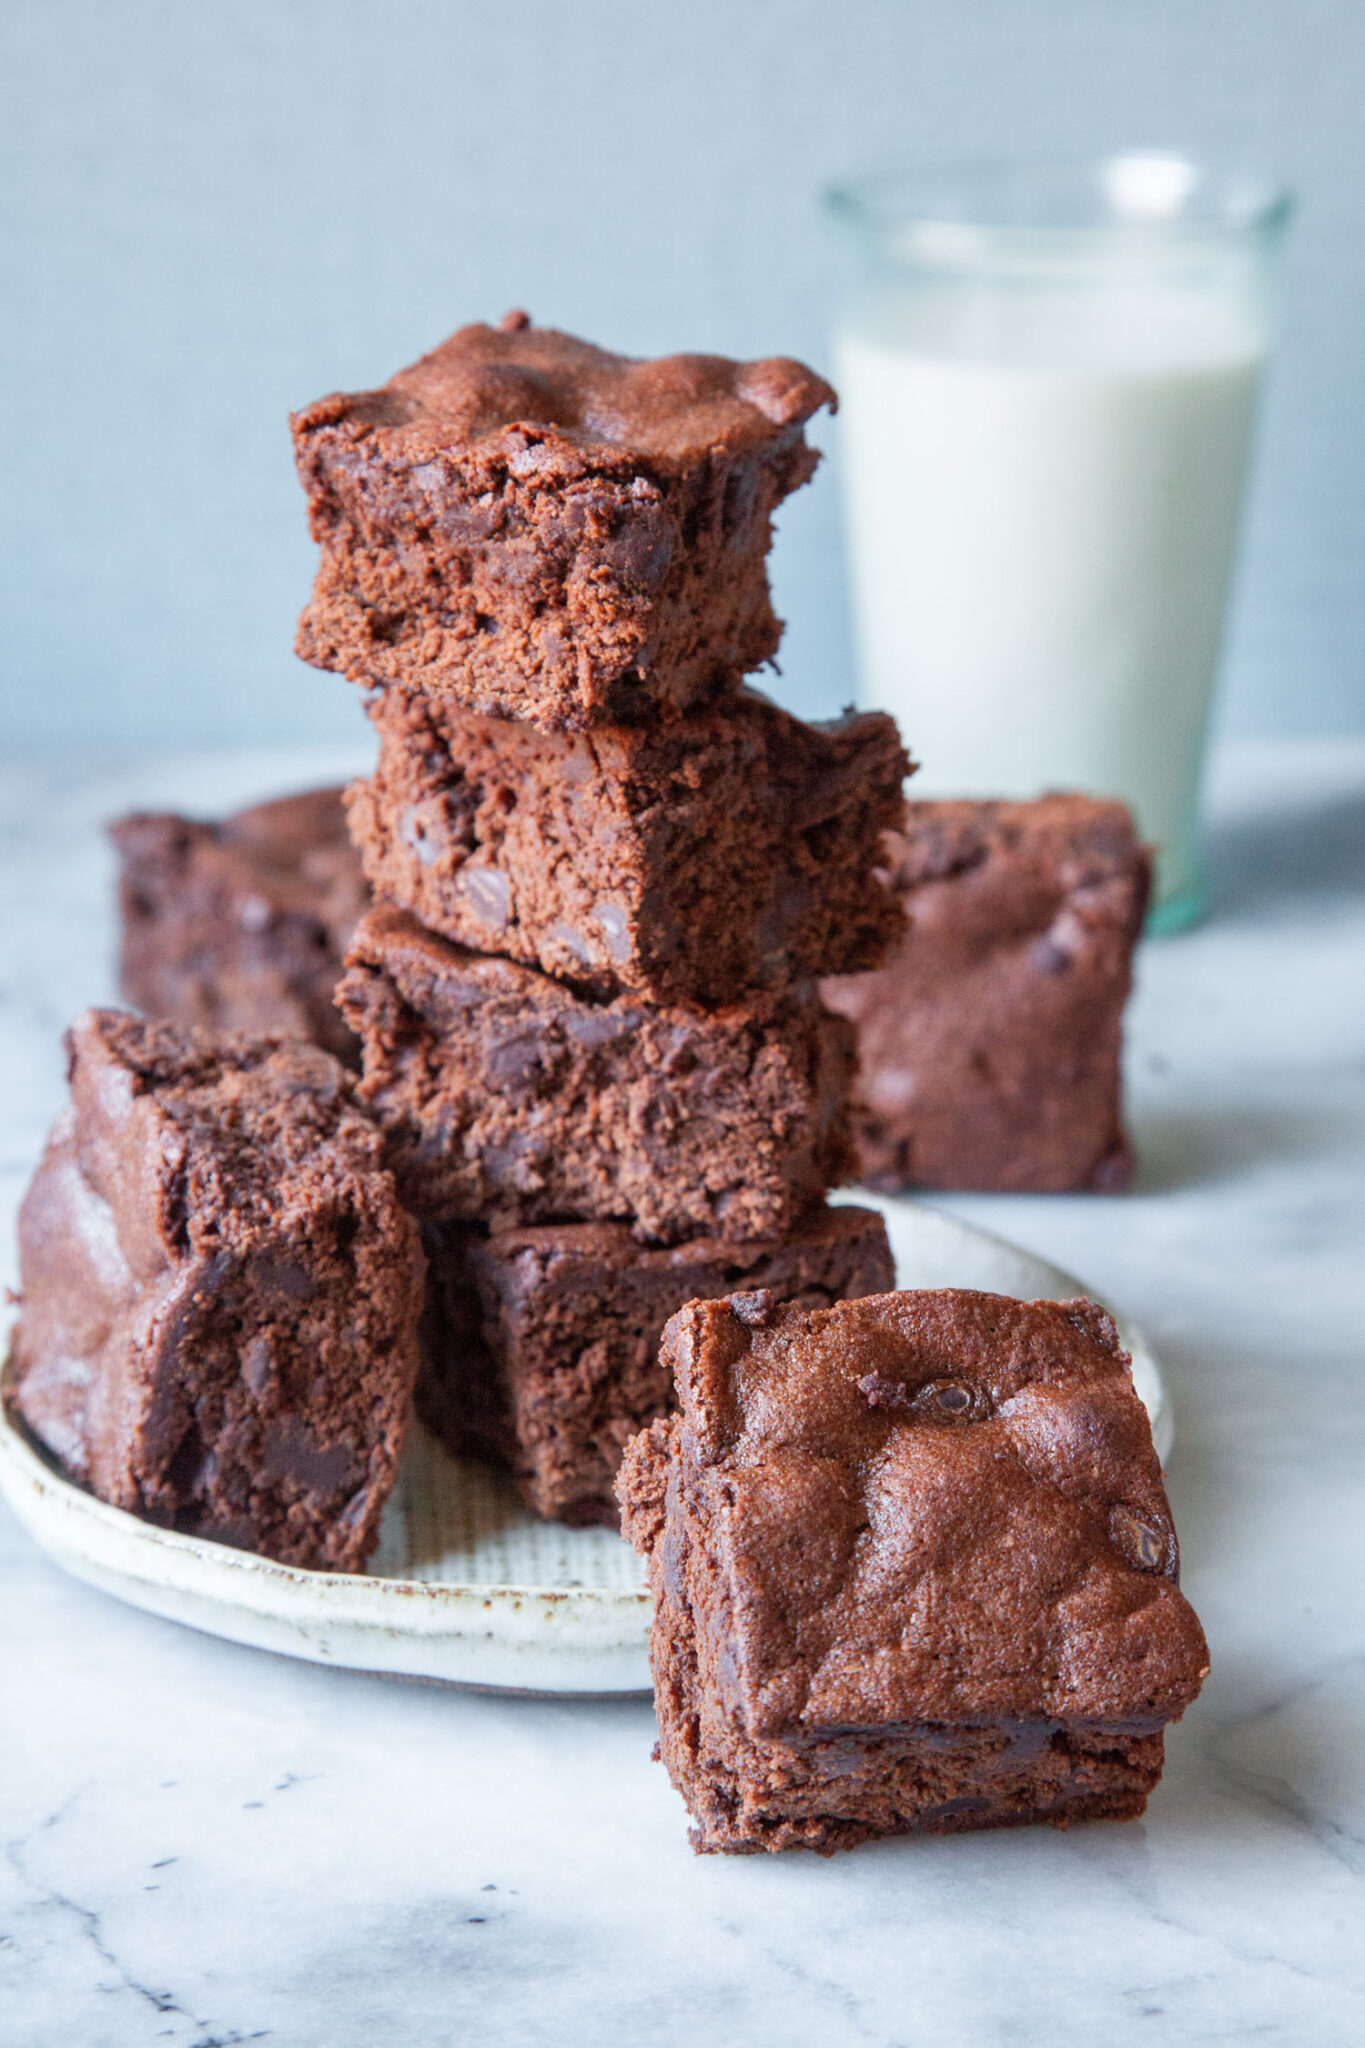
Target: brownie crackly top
924, 1507
990, 1039
542, 531
572, 395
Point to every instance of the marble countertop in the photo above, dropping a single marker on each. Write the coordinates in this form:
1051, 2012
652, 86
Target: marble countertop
205, 1845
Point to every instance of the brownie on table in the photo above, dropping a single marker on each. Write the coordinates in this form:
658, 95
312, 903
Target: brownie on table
989, 1042
540, 530
542, 1344
735, 849
242, 924
507, 1097
912, 1567
220, 1292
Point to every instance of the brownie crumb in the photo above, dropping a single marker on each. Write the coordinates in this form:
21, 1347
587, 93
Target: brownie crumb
753, 1309
882, 1393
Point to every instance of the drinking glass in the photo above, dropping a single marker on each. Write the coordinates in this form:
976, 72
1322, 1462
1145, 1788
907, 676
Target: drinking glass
1048, 374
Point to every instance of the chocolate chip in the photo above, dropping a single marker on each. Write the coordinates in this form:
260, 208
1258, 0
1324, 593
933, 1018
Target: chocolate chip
257, 1365
882, 1393
290, 1450
282, 1276
412, 830
514, 1060
253, 914
611, 918
1143, 1545
1048, 957
489, 893
515, 322
573, 942
752, 1309
950, 1401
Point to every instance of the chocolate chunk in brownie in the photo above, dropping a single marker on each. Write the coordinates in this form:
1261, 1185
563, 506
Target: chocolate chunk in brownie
220, 1291
734, 849
541, 530
989, 1042
508, 1098
954, 1609
241, 925
542, 1345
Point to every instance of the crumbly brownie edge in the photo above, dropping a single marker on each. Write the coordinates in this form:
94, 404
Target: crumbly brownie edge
507, 1099
250, 1382
738, 849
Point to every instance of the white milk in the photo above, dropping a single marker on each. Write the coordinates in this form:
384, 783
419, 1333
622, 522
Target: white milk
1043, 511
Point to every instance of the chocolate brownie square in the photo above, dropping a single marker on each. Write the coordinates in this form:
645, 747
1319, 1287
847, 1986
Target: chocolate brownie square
912, 1567
508, 1098
220, 1291
540, 530
735, 849
242, 924
542, 1345
989, 1042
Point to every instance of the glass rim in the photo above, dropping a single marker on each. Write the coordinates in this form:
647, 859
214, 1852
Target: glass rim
1143, 197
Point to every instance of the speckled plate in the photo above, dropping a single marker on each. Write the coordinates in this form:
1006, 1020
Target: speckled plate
466, 1587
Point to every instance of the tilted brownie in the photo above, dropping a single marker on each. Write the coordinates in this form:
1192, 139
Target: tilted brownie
508, 1098
540, 530
241, 924
220, 1291
912, 1567
735, 849
542, 1345
989, 1042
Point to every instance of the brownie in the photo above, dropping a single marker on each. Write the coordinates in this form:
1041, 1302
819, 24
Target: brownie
734, 849
220, 1292
541, 530
241, 924
912, 1567
990, 1040
507, 1097
542, 1345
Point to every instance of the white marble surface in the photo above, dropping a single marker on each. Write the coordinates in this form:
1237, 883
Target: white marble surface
206, 1845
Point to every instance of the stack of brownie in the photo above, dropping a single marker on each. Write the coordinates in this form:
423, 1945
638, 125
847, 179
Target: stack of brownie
911, 1560
606, 874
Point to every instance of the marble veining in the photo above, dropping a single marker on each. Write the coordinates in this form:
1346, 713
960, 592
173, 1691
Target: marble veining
204, 1845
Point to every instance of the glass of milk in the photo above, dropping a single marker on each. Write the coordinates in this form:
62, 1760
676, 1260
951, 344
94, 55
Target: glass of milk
1048, 375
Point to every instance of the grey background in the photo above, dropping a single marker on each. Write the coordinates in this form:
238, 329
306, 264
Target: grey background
214, 210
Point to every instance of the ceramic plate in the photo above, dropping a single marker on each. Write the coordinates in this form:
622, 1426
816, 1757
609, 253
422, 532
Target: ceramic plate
465, 1586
